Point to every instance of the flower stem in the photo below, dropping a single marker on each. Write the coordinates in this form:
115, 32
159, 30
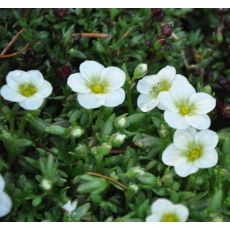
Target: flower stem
11, 123
129, 98
22, 124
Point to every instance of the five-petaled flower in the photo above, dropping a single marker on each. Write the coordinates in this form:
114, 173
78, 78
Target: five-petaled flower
152, 86
27, 88
191, 150
98, 86
163, 210
5, 201
70, 206
184, 107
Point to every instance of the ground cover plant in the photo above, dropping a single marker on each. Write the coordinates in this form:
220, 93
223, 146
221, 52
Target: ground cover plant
114, 115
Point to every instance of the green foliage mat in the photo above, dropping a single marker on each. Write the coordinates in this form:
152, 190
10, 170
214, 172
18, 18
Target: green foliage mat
44, 165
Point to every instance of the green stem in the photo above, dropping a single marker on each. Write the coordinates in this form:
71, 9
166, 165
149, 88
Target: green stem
22, 124
11, 123
129, 98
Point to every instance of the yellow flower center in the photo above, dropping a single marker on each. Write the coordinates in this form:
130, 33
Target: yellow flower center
184, 110
163, 85
27, 90
98, 88
170, 217
194, 153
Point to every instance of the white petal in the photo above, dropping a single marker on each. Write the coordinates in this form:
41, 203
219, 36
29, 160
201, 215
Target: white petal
70, 206
77, 83
32, 103
114, 98
146, 102
114, 76
67, 206
180, 77
46, 89
2, 183
182, 212
171, 155
204, 103
161, 206
198, 121
182, 138
167, 102
184, 168
90, 100
146, 84
10, 94
175, 120
91, 70
153, 218
182, 90
207, 138
36, 78
208, 159
5, 204
167, 73
17, 77
161, 106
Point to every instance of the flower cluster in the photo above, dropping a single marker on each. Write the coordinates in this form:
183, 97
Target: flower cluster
184, 110
5, 201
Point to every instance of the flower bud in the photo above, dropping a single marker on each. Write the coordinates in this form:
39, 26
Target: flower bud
163, 131
56, 130
117, 139
120, 122
166, 30
140, 71
147, 179
199, 181
105, 148
46, 184
76, 132
167, 179
134, 172
207, 89
134, 188
81, 149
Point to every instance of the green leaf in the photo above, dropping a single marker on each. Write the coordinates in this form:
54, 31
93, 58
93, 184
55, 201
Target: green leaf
216, 201
81, 211
108, 127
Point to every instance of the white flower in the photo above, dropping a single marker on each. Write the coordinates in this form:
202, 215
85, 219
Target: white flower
27, 88
5, 201
184, 107
191, 150
152, 86
164, 210
70, 206
97, 86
